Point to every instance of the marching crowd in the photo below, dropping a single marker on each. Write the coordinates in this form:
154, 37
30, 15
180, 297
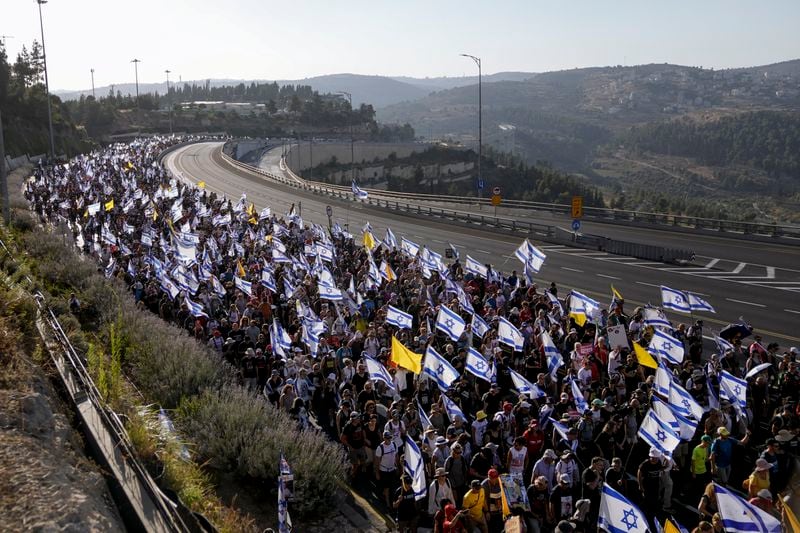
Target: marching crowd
520, 385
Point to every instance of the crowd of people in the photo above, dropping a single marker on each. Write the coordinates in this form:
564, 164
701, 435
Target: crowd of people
308, 316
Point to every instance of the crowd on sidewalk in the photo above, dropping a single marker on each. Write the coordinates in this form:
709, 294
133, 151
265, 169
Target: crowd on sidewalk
516, 399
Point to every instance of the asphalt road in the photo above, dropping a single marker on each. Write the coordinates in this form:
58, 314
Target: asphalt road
764, 292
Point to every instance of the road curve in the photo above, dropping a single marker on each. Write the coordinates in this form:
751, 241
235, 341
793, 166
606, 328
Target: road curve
771, 305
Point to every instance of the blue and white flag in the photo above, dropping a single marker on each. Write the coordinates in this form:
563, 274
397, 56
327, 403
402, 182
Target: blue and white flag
667, 347
455, 251
658, 434
663, 381
195, 308
409, 248
740, 516
554, 358
439, 369
284, 475
359, 193
665, 414
390, 240
619, 515
378, 372
268, 280
733, 389
555, 301
684, 403
675, 300
722, 345
562, 430
414, 466
524, 386
281, 342
530, 256
475, 267
756, 369
509, 335
479, 325
698, 304
452, 409
577, 395
330, 293
478, 366
449, 323
656, 318
424, 419
218, 287
582, 304
397, 318
244, 286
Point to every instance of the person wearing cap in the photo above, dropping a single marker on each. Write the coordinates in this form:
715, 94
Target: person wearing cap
397, 428
440, 453
479, 428
567, 465
538, 496
699, 462
546, 467
562, 499
385, 462
649, 478
505, 417
483, 460
439, 489
493, 494
759, 479
405, 503
353, 438
475, 504
564, 406
457, 470
763, 500
534, 438
722, 454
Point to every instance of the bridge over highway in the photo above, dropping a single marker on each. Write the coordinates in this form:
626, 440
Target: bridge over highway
756, 280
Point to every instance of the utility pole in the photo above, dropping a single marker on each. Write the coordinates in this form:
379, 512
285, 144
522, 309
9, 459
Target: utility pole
477, 61
3, 180
168, 102
136, 71
93, 96
352, 152
47, 83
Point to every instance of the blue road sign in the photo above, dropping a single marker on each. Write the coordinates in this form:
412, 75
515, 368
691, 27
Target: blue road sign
576, 225
481, 184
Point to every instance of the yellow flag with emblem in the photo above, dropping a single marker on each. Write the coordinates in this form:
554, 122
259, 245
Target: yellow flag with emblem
643, 356
404, 357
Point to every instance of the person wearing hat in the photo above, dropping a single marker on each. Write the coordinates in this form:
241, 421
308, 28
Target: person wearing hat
722, 454
563, 499
534, 438
353, 438
386, 461
493, 494
405, 503
759, 479
457, 470
507, 423
546, 467
479, 428
483, 460
763, 500
475, 504
567, 465
564, 406
649, 478
439, 489
538, 496
699, 463
440, 453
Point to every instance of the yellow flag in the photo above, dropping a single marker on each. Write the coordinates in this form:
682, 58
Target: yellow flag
251, 209
240, 269
86, 214
109, 205
579, 318
201, 184
369, 240
390, 275
503, 500
791, 519
616, 293
253, 220
643, 356
155, 213
670, 527
404, 357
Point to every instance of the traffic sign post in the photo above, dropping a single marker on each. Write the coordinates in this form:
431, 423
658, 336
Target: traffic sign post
496, 191
481, 184
496, 198
576, 225
577, 207
329, 212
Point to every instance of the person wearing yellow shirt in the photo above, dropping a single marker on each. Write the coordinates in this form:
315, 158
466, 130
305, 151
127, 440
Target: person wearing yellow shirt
475, 505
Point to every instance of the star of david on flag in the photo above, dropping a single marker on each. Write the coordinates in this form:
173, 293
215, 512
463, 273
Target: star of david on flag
658, 433
733, 389
449, 323
398, 318
478, 366
438, 368
509, 335
552, 353
479, 325
675, 300
740, 516
618, 514
473, 266
667, 347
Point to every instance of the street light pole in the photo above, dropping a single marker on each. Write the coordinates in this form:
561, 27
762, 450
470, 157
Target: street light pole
136, 72
477, 61
47, 83
352, 152
93, 96
168, 102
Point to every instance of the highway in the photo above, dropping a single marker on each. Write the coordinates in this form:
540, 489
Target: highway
764, 291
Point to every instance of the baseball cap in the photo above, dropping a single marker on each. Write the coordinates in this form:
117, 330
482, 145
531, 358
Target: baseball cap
493, 474
564, 478
723, 431
550, 454
706, 438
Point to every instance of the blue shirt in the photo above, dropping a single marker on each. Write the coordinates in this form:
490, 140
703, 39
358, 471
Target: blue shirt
722, 449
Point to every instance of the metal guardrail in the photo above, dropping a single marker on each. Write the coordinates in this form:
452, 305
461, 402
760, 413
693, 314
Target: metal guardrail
138, 497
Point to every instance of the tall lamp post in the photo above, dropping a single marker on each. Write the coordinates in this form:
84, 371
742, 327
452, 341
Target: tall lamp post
477, 61
168, 101
47, 83
352, 152
92, 71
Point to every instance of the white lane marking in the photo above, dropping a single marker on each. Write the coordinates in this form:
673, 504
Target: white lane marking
711, 263
571, 269
648, 284
591, 254
782, 282
771, 272
745, 303
437, 241
739, 268
792, 311
607, 276
648, 263
483, 252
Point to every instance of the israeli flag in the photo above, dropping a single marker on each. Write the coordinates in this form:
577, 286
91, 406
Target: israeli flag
424, 419
555, 301
455, 251
577, 395
330, 293
478, 366
733, 389
475, 267
658, 434
675, 300
390, 240
279, 257
722, 345
509, 335
666, 346
265, 213
530, 256
438, 368
698, 304
665, 414
268, 281
552, 353
684, 403
463, 301
409, 248
663, 381
414, 466
479, 325
398, 318
449, 323
195, 308
655, 318
452, 409
378, 372
583, 304
619, 515
279, 338
168, 286
218, 287
244, 286
358, 192
524, 386
740, 516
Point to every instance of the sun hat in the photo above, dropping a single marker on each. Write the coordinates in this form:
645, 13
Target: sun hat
564, 478
441, 441
762, 464
550, 454
440, 472
764, 493
480, 415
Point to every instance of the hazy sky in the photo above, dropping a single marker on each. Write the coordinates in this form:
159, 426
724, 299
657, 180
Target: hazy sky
300, 38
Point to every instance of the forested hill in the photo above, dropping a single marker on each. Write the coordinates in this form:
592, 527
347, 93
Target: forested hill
767, 140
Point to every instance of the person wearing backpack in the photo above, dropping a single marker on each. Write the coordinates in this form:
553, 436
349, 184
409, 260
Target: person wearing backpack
385, 464
439, 491
457, 471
